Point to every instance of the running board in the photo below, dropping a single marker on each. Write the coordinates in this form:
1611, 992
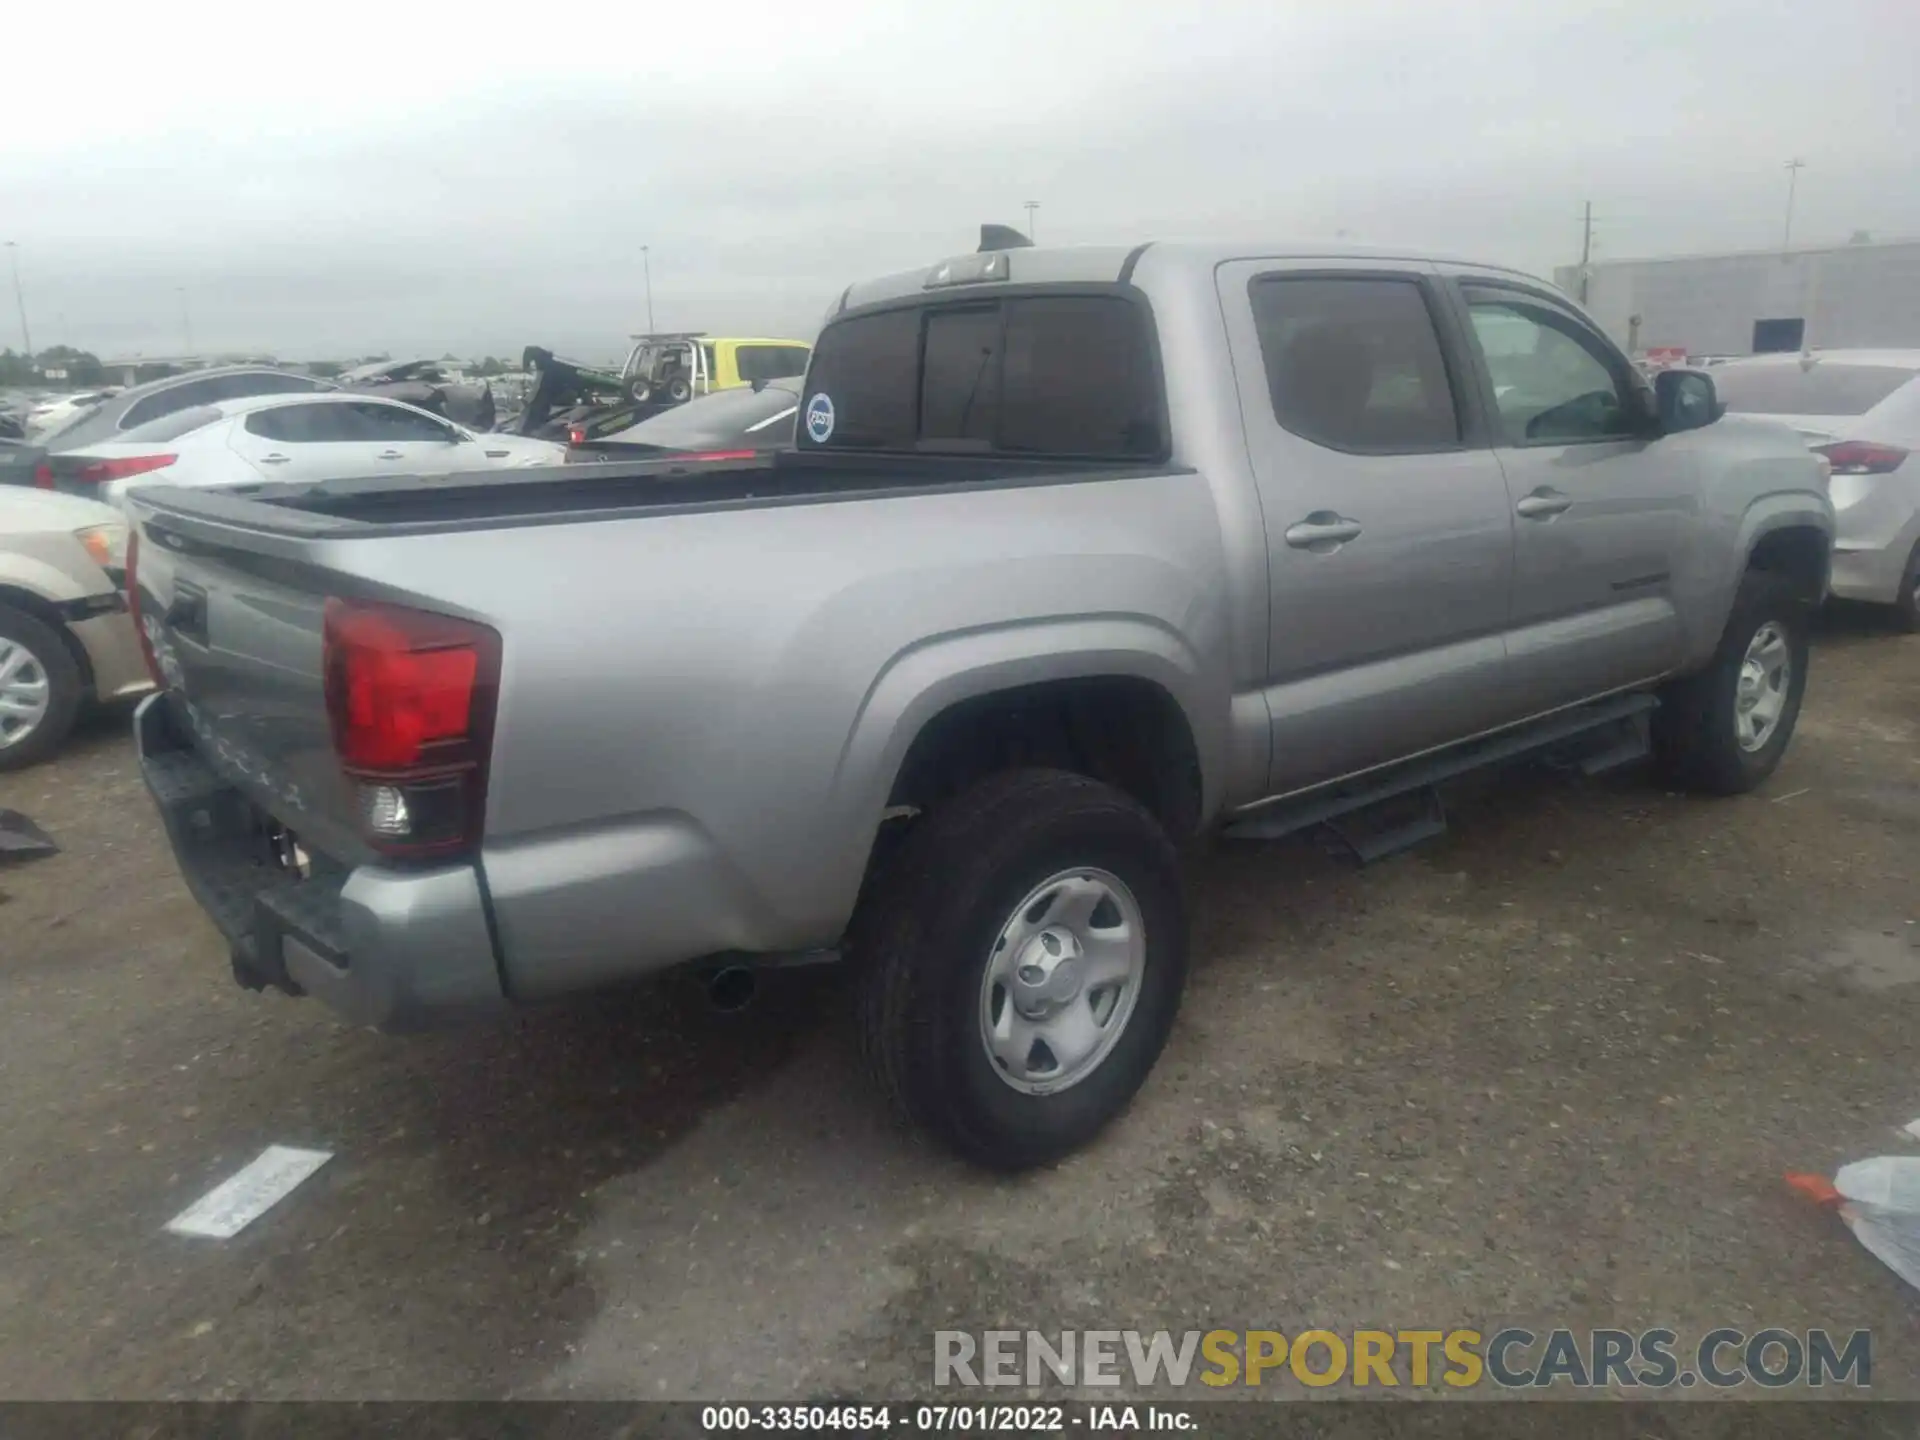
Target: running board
1614, 732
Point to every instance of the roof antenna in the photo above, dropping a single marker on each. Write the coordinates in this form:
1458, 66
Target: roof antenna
1002, 237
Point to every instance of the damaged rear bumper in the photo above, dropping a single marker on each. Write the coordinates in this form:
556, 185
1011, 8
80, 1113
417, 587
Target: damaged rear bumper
396, 949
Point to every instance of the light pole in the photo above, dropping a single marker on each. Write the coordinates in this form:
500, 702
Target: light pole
19, 297
1033, 208
1794, 167
186, 321
646, 265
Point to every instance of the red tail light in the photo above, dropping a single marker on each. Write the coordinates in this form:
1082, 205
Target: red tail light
120, 467
576, 436
725, 455
1860, 457
410, 696
43, 476
154, 671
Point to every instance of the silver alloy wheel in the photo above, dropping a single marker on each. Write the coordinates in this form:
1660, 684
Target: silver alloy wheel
1063, 980
26, 693
1760, 694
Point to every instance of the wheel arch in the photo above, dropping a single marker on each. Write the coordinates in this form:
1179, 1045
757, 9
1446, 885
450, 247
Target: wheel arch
939, 685
29, 602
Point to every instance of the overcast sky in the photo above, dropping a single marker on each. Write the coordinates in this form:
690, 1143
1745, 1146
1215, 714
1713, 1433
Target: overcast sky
476, 178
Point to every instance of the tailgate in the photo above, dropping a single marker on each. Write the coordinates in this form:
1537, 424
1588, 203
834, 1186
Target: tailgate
237, 636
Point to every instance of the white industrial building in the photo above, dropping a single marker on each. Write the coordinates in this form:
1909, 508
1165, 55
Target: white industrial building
1827, 297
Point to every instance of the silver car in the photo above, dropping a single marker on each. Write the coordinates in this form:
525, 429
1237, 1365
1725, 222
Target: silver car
110, 417
1860, 409
65, 636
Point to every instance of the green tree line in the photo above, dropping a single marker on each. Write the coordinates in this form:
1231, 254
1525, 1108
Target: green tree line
83, 368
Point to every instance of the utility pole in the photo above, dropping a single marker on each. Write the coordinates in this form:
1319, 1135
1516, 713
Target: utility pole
646, 265
1586, 250
1794, 167
1033, 209
186, 321
19, 298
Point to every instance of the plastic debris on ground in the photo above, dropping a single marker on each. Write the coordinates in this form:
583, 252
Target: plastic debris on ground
21, 839
1880, 1201
236, 1203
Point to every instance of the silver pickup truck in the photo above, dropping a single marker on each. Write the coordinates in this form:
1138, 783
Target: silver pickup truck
1079, 553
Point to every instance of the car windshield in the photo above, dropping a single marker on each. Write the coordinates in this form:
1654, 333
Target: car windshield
1821, 389
743, 417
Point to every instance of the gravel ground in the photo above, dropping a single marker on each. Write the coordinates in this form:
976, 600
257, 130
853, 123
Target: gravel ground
1548, 1070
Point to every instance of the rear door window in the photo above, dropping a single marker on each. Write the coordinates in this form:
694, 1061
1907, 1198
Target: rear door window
1823, 388
1065, 375
1354, 363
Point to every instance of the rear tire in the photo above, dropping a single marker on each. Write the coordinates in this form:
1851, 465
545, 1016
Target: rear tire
1029, 841
35, 664
1723, 730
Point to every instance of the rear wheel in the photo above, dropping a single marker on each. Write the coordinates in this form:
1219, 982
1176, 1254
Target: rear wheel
40, 689
1023, 961
1724, 729
1906, 605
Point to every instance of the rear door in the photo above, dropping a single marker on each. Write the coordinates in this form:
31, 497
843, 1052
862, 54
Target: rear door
307, 442
1601, 507
1389, 533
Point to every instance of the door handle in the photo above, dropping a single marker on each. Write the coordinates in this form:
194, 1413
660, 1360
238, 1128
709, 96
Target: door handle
389, 455
275, 459
1543, 504
1322, 532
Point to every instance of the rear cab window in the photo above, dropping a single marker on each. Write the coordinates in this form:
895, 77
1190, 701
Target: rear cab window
1067, 375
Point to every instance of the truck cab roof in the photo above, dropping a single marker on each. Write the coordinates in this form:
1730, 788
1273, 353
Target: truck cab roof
1115, 264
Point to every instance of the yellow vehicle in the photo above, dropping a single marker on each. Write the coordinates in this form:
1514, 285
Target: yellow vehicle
670, 368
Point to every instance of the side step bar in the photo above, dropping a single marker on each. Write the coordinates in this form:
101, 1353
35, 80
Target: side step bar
1591, 739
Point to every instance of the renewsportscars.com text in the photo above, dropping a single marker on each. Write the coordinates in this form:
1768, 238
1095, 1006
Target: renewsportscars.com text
1511, 1359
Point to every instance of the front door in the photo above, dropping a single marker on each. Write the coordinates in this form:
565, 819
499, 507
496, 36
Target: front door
1601, 506
1389, 532
407, 441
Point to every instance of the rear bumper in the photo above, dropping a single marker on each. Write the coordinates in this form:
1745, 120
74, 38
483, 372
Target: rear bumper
396, 949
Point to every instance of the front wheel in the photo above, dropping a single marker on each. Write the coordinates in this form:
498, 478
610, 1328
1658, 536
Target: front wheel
1023, 960
40, 689
1724, 730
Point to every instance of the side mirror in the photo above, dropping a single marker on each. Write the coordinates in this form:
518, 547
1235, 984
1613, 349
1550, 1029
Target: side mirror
1685, 400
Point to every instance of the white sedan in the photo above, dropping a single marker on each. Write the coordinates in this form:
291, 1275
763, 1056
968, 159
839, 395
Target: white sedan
1860, 409
326, 436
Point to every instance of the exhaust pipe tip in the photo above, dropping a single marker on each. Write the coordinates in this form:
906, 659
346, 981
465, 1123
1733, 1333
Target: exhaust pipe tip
731, 988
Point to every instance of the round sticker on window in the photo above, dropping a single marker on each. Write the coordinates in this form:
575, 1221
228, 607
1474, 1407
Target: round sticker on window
820, 419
